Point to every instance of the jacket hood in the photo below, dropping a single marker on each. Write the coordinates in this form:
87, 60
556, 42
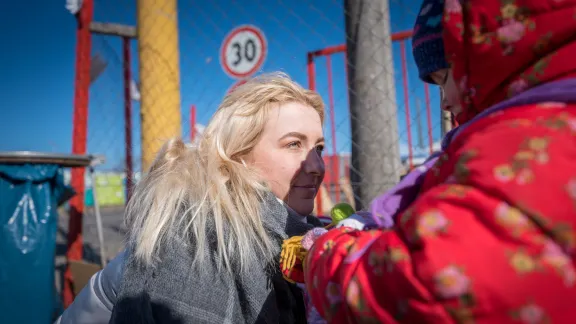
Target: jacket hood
498, 49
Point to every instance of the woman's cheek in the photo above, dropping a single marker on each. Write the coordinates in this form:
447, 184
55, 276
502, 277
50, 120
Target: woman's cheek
278, 175
288, 173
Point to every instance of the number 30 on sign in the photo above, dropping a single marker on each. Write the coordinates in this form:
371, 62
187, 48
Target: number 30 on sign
243, 51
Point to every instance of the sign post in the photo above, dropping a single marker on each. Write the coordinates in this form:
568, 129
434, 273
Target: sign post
243, 51
236, 84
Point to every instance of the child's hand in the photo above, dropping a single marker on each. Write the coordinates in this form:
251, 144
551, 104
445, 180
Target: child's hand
359, 220
294, 250
311, 236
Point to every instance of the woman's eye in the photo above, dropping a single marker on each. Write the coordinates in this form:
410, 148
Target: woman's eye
320, 148
294, 145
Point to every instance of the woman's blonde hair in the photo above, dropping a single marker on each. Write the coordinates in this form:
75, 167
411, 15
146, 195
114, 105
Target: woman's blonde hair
189, 190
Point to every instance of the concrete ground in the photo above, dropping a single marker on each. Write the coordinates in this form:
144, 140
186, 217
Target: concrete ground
114, 230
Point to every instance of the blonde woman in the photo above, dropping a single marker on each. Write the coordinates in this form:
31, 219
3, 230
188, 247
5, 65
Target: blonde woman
206, 223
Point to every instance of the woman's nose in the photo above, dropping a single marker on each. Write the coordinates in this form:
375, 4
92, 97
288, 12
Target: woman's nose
313, 163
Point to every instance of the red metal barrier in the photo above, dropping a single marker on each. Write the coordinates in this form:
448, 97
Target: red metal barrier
80, 128
192, 123
312, 86
333, 173
334, 165
406, 101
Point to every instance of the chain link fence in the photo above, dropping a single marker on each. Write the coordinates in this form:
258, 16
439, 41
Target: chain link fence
159, 68
382, 110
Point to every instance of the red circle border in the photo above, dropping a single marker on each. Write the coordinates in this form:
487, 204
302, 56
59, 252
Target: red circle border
260, 61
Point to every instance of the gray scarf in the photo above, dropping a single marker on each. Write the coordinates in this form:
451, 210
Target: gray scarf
172, 293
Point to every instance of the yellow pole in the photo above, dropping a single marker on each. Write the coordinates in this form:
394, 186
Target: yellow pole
160, 114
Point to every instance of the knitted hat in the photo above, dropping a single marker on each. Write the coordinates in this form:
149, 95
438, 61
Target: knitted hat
427, 43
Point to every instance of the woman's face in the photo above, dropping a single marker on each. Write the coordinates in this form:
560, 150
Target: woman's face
450, 93
289, 155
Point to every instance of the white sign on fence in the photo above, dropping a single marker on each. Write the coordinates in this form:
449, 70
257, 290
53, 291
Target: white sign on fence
243, 51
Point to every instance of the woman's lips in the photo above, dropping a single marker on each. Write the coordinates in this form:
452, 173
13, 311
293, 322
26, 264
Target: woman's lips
312, 186
308, 191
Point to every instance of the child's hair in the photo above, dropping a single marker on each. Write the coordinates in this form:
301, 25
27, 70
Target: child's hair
187, 188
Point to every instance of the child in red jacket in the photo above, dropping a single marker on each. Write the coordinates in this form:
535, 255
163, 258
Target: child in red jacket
490, 235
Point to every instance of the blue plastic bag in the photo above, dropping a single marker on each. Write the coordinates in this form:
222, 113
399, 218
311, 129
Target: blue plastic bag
29, 198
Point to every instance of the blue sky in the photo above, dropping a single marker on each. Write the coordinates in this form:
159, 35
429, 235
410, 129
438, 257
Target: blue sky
36, 83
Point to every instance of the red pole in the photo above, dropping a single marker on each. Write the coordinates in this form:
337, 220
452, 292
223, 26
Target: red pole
406, 100
312, 85
311, 72
401, 35
429, 118
398, 36
128, 115
335, 169
328, 51
192, 123
80, 120
346, 166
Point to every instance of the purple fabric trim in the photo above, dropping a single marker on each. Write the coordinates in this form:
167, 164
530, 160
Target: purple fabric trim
388, 206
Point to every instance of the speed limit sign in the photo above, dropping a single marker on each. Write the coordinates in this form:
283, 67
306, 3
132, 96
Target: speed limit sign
243, 51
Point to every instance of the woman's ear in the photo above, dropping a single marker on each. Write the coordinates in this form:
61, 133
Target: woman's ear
247, 159
243, 163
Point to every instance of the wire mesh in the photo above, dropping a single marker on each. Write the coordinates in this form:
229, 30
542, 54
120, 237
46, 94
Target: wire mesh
294, 31
169, 81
